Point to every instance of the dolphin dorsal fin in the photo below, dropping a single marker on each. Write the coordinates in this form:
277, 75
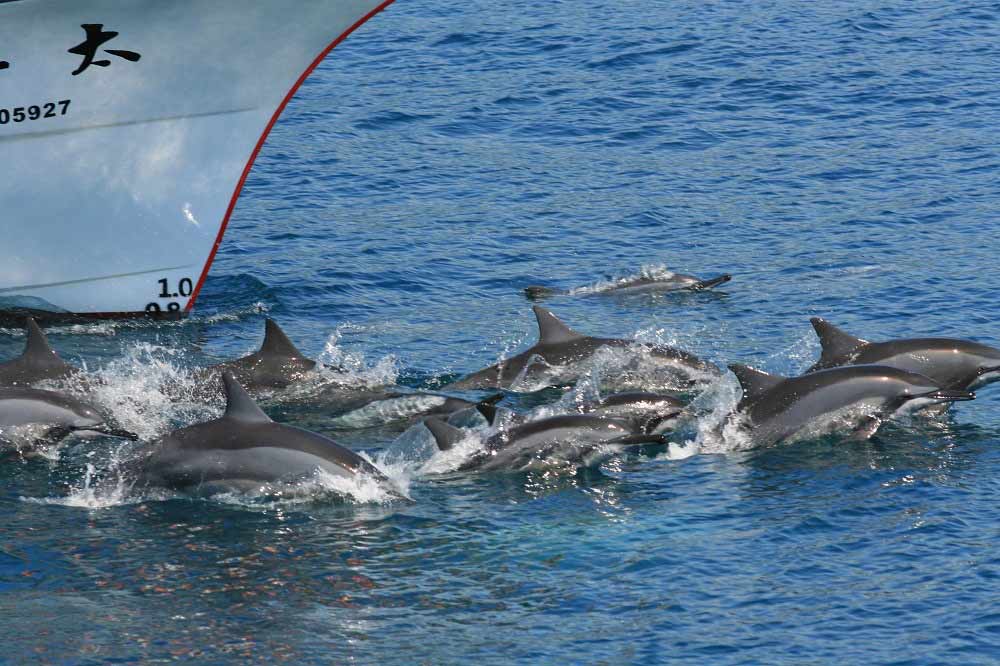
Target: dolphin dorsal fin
38, 348
239, 404
276, 343
446, 436
550, 329
754, 383
835, 342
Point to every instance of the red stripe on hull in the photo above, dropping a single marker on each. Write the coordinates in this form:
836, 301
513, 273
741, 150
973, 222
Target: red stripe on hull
263, 138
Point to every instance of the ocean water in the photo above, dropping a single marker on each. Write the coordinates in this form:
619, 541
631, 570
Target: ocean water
840, 159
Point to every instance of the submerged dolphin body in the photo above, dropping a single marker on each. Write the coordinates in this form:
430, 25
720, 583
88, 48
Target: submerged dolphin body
410, 407
954, 364
39, 362
859, 397
277, 364
654, 412
645, 411
244, 449
49, 416
578, 440
642, 284
559, 345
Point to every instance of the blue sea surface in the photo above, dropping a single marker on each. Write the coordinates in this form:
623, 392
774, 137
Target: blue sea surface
840, 159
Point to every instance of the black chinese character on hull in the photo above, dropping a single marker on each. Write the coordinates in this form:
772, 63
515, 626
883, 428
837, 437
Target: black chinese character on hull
96, 38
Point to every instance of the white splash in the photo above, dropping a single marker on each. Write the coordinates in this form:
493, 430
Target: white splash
351, 368
651, 271
145, 391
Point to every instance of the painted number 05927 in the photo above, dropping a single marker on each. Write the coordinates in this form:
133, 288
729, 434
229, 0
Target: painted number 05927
184, 288
21, 114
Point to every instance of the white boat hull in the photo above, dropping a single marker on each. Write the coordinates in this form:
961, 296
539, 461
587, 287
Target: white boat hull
120, 179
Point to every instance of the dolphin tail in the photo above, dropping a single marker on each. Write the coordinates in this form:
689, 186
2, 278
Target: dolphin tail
488, 407
446, 436
537, 292
702, 285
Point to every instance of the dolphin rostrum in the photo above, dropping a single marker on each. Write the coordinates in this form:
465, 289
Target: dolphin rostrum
559, 345
641, 284
39, 361
818, 403
569, 439
276, 364
956, 364
244, 449
30, 416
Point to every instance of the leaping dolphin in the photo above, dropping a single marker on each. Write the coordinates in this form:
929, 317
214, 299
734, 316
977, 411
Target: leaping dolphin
955, 364
641, 284
29, 416
244, 449
818, 403
559, 345
276, 364
39, 361
578, 440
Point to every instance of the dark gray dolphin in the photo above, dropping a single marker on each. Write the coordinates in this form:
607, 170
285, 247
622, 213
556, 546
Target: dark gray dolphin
39, 361
30, 416
955, 364
560, 345
579, 440
244, 449
821, 402
275, 365
646, 283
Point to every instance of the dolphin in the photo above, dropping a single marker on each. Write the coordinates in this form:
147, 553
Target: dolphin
245, 449
580, 440
560, 345
780, 408
955, 364
39, 361
40, 416
641, 284
277, 363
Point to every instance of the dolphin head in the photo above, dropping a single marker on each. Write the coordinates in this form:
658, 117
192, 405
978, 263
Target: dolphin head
917, 392
89, 422
86, 416
987, 375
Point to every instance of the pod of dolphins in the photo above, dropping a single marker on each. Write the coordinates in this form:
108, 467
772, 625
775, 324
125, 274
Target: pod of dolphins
853, 388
